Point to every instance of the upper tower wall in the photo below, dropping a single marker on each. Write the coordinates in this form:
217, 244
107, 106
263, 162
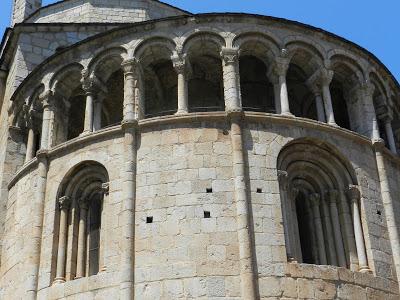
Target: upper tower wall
113, 11
23, 9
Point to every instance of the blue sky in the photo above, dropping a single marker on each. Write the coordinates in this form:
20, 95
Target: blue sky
374, 25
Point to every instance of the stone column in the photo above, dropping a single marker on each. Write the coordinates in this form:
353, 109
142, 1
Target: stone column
64, 203
341, 256
326, 78
230, 60
389, 205
104, 228
48, 107
294, 234
277, 74
316, 90
331, 253
98, 106
367, 91
283, 185
81, 252
35, 235
246, 251
88, 85
389, 134
315, 201
132, 109
354, 195
180, 66
30, 145
127, 218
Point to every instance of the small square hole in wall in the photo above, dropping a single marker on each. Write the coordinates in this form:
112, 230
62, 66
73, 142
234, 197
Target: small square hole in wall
378, 212
259, 190
149, 220
208, 190
207, 214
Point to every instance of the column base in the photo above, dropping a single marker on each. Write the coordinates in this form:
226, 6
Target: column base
365, 270
287, 114
181, 112
59, 280
85, 133
333, 124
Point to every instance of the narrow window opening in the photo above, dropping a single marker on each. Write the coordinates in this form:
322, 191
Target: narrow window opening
207, 214
208, 190
149, 220
304, 230
259, 191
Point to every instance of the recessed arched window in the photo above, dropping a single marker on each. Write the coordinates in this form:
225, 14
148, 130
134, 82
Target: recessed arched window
79, 239
320, 206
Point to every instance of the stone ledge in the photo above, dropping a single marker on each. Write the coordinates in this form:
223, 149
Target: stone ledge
220, 116
342, 275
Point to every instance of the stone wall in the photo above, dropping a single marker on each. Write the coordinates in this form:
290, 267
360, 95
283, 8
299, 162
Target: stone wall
183, 171
86, 11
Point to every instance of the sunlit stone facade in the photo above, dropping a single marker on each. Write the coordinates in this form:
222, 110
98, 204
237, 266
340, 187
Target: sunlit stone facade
149, 153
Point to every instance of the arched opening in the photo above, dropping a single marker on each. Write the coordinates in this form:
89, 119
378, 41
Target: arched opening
76, 114
315, 184
205, 83
257, 54
78, 239
303, 217
301, 100
256, 90
304, 62
381, 106
109, 99
69, 114
339, 104
159, 77
347, 104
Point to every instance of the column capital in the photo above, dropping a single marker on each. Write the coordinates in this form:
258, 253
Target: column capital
354, 193
321, 77
315, 199
294, 192
230, 55
283, 177
64, 202
332, 196
83, 204
91, 84
179, 62
129, 66
105, 187
278, 68
367, 88
47, 99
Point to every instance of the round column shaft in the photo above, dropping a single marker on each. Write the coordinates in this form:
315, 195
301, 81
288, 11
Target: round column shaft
80, 260
315, 200
333, 198
62, 239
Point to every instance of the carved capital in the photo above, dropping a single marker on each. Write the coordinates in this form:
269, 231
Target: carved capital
47, 99
332, 196
179, 63
367, 88
83, 204
283, 178
315, 199
354, 193
320, 78
105, 188
278, 68
64, 202
90, 83
230, 55
129, 66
